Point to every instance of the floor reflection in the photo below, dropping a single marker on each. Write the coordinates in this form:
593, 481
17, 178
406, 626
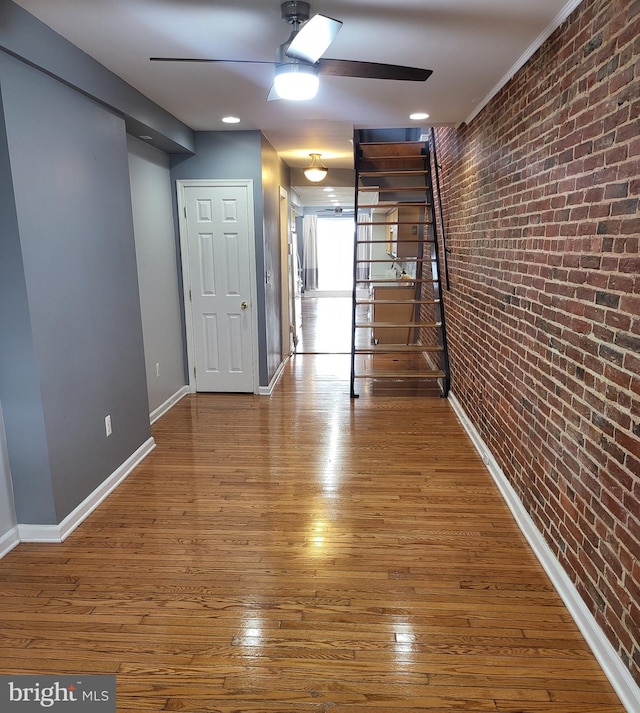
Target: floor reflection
326, 325
326, 332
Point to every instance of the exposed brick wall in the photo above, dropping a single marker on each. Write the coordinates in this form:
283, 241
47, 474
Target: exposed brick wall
541, 196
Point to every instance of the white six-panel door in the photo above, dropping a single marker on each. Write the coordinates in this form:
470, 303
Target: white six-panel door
218, 233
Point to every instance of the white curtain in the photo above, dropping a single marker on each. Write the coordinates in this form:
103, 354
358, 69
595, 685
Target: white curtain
310, 264
365, 236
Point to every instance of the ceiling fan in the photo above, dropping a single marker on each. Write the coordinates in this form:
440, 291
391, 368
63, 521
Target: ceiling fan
299, 60
337, 211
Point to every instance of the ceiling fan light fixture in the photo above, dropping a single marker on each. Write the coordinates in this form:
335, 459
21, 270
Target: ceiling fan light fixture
316, 171
296, 81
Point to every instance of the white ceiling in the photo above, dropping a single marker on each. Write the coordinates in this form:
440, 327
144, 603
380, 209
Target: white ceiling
472, 46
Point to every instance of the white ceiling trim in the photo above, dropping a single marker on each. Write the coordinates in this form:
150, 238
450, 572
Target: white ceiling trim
526, 56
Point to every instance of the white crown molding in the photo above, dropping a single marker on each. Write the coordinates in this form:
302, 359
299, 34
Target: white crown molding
59, 533
610, 662
526, 56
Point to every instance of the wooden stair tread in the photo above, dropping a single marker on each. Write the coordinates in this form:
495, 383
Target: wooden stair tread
386, 325
394, 282
393, 163
386, 242
400, 172
417, 157
398, 302
427, 374
397, 348
391, 222
394, 148
394, 204
393, 189
404, 259
391, 143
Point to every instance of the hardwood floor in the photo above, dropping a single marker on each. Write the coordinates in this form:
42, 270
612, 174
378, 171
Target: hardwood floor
326, 325
303, 553
326, 329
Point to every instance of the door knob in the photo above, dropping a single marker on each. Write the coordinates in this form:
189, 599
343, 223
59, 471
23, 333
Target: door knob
244, 305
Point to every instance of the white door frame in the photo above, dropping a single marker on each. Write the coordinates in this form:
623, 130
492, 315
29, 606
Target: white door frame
181, 186
285, 257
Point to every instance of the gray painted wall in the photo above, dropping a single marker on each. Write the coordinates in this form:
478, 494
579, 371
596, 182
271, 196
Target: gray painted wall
24, 36
155, 242
8, 519
275, 174
72, 347
72, 342
19, 376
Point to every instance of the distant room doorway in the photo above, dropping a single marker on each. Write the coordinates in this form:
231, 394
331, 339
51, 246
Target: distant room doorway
326, 309
335, 255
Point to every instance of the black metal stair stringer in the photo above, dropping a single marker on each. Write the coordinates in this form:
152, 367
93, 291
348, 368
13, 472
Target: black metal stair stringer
405, 319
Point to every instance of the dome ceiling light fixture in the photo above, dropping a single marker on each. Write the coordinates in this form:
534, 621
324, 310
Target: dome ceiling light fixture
296, 81
316, 171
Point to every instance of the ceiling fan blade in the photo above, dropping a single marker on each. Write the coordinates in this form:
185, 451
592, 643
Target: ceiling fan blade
199, 59
371, 70
313, 40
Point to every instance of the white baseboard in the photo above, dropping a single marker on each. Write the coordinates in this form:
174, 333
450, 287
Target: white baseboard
168, 404
59, 533
9, 540
268, 390
39, 533
613, 667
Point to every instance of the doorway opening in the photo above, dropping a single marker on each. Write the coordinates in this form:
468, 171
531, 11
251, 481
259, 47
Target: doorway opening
326, 309
335, 257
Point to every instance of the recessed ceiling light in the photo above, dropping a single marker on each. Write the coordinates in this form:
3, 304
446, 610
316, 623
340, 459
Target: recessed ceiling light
327, 190
230, 120
144, 137
418, 116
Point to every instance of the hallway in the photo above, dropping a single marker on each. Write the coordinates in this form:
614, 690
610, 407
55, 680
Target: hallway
303, 553
326, 325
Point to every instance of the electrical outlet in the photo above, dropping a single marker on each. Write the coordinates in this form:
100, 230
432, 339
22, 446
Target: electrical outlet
158, 369
107, 425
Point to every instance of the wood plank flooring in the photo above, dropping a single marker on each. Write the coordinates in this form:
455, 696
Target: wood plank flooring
303, 553
326, 329
326, 325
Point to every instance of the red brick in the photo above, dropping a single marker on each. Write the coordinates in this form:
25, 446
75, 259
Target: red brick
541, 198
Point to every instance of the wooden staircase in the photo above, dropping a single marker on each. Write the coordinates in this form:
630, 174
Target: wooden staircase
398, 331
